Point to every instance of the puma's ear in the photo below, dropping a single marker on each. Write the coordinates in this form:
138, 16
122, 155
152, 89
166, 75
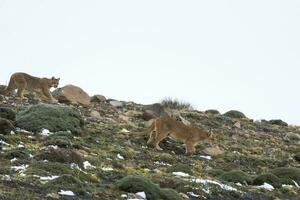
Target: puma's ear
58, 79
53, 77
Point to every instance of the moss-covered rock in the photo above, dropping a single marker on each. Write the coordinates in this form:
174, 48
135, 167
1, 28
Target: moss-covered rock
235, 114
17, 153
267, 178
213, 112
61, 155
278, 122
52, 117
133, 183
61, 139
6, 126
236, 176
169, 194
180, 168
7, 113
287, 174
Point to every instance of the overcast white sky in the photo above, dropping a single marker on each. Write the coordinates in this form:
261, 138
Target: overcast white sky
223, 55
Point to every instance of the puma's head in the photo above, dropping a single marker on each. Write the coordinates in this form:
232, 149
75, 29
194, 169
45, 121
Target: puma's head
54, 82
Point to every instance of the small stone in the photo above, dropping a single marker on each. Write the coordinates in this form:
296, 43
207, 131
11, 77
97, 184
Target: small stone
213, 151
98, 99
117, 104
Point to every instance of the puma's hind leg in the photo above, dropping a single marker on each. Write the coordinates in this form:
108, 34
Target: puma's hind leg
159, 137
190, 148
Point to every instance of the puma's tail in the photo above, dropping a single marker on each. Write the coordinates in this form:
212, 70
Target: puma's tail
145, 132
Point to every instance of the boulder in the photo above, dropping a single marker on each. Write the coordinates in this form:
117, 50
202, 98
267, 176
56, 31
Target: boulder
291, 137
52, 117
98, 99
213, 151
117, 104
71, 94
153, 111
6, 126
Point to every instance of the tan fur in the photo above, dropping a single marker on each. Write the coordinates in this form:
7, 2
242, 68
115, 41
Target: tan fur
23, 81
177, 130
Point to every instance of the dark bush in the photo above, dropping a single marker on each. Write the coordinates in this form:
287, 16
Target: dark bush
235, 114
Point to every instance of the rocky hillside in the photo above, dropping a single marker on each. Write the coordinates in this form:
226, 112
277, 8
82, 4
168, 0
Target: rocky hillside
64, 151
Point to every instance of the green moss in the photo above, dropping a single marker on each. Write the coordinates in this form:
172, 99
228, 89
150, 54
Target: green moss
215, 172
236, 176
267, 178
61, 140
5, 126
65, 182
278, 122
235, 114
17, 153
180, 168
49, 168
133, 183
169, 194
287, 174
52, 117
7, 113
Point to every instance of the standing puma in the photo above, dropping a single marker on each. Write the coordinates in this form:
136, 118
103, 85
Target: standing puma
23, 81
166, 126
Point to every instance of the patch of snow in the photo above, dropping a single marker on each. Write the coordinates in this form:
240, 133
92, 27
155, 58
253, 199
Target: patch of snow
162, 163
6, 178
287, 186
124, 130
141, 194
223, 186
296, 184
30, 155
45, 132
53, 146
4, 143
107, 169
124, 196
13, 160
109, 159
74, 166
182, 174
48, 178
120, 157
88, 165
193, 194
266, 186
20, 146
12, 133
66, 193
19, 130
206, 157
21, 168
239, 184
